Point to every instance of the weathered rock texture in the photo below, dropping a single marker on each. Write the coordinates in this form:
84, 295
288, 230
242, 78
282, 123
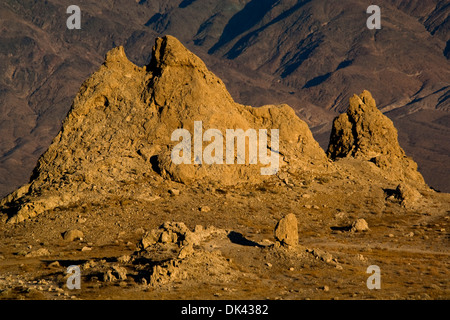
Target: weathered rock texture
363, 132
179, 254
359, 225
407, 195
119, 128
286, 231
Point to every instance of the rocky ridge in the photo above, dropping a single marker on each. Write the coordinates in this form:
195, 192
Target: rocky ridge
117, 135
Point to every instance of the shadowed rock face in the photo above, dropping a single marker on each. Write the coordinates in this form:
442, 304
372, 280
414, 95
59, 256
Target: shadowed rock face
363, 132
119, 129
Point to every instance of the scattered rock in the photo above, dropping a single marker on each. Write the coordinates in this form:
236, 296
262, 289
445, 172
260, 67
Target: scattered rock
359, 225
89, 264
54, 264
38, 253
360, 257
286, 231
322, 255
120, 272
108, 276
124, 259
174, 192
182, 254
205, 209
177, 233
407, 194
72, 235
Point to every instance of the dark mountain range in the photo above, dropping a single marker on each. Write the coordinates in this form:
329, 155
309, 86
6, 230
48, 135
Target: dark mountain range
312, 55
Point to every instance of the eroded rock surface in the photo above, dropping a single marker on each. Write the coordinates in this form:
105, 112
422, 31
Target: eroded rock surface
363, 132
119, 131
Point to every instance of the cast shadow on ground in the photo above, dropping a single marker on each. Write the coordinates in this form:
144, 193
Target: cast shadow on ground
238, 238
341, 228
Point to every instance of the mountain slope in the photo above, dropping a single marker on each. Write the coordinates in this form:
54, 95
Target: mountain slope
322, 48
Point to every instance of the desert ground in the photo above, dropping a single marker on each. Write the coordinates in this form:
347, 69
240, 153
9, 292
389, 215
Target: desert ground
238, 256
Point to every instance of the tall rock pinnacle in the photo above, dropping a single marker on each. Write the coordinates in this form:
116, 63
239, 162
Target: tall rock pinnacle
363, 132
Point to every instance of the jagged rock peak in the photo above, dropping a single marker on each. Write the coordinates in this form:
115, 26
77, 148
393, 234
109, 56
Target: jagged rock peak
116, 55
119, 132
168, 51
363, 132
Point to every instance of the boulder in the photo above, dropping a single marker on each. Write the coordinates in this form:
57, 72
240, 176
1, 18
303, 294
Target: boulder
286, 230
359, 225
72, 235
407, 195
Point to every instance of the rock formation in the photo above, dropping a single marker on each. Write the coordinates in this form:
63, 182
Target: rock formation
363, 132
118, 136
118, 132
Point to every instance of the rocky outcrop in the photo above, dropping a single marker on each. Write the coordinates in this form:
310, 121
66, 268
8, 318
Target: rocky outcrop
120, 134
363, 132
180, 254
407, 195
119, 131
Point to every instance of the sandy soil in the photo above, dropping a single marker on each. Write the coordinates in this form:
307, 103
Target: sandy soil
244, 261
